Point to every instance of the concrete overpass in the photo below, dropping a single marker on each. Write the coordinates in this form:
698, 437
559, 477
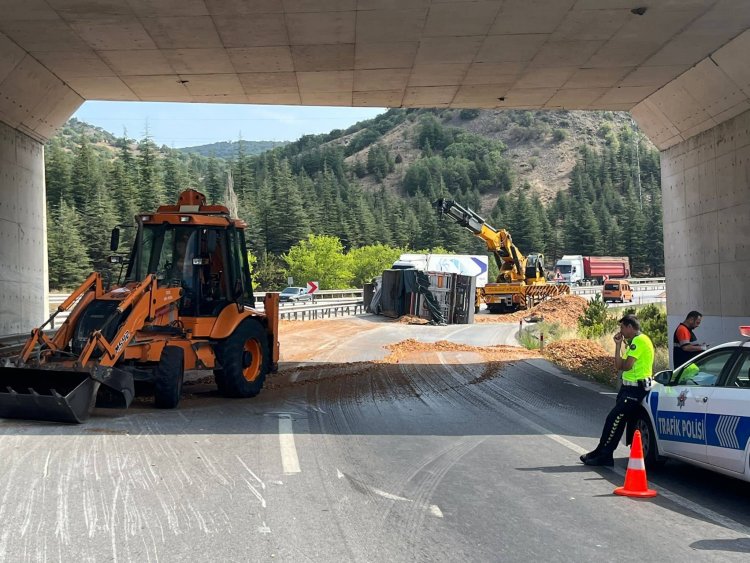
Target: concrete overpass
680, 66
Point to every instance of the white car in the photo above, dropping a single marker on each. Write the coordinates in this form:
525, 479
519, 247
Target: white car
295, 295
700, 412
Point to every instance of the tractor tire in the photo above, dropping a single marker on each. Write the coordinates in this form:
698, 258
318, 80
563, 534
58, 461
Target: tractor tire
245, 361
168, 378
648, 439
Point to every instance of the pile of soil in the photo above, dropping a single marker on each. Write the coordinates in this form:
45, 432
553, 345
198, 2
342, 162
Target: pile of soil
585, 357
563, 310
412, 320
403, 349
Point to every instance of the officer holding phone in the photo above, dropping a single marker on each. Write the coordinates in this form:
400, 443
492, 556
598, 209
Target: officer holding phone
637, 367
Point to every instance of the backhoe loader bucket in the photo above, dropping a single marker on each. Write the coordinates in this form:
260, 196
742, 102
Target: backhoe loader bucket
61, 395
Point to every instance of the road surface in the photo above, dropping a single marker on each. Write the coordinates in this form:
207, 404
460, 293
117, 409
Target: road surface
432, 455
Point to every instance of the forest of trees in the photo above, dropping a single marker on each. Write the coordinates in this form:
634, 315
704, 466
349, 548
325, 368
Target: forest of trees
308, 187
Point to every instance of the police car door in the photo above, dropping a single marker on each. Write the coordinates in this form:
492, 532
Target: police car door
681, 407
728, 418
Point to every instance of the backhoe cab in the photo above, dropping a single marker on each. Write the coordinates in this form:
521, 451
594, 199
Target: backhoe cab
186, 302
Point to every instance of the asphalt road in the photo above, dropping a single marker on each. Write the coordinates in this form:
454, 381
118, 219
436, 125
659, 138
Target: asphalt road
431, 458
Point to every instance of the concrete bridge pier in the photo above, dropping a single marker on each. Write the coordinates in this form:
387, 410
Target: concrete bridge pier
23, 232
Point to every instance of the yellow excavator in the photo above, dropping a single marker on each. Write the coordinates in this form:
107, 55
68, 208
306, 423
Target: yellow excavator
522, 281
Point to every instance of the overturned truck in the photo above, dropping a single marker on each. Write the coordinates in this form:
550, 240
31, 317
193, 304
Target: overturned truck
186, 302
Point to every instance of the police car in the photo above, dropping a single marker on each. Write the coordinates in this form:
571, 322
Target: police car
700, 412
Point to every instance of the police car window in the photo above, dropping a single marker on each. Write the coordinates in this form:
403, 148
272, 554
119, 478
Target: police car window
741, 376
703, 371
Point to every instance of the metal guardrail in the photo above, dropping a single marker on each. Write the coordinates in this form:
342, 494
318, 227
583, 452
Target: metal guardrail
330, 304
341, 308
349, 301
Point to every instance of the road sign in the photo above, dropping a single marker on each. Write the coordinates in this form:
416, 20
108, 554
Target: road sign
312, 287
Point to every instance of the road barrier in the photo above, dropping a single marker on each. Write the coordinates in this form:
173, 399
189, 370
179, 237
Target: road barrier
350, 300
322, 311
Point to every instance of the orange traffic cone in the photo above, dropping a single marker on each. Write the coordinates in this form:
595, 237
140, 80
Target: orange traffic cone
636, 484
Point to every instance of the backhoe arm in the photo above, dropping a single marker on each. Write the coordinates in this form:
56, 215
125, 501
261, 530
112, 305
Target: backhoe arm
140, 306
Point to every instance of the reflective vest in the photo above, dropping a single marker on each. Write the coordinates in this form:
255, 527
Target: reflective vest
642, 349
680, 356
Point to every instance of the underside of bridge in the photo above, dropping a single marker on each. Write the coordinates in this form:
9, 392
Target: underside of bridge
680, 66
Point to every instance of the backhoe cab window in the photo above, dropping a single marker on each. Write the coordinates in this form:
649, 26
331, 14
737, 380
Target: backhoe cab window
167, 252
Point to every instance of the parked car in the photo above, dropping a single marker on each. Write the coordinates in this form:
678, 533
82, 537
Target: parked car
295, 295
700, 412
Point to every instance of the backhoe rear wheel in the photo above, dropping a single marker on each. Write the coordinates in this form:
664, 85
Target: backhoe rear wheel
245, 361
168, 378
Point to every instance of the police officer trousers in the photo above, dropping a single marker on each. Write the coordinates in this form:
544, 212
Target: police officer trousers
624, 411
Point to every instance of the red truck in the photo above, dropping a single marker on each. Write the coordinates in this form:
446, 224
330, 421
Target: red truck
575, 269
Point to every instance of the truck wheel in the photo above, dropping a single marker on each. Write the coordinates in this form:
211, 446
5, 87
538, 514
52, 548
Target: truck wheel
245, 361
648, 439
168, 378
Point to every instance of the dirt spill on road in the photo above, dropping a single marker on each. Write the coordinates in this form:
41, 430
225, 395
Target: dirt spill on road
563, 310
409, 351
587, 357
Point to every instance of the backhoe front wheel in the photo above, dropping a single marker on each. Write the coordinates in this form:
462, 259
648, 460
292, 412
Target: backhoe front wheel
168, 378
245, 361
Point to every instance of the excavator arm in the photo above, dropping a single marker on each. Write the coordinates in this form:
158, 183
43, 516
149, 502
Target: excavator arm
510, 260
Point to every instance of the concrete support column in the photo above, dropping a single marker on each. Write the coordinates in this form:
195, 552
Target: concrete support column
706, 187
23, 233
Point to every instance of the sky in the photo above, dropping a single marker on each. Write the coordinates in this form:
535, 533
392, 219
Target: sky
185, 125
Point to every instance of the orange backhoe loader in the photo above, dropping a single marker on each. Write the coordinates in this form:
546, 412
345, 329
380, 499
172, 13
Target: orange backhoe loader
186, 302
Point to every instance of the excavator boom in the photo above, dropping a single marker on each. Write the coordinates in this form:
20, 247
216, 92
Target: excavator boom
521, 280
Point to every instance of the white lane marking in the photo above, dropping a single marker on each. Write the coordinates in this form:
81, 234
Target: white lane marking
432, 508
707, 513
289, 459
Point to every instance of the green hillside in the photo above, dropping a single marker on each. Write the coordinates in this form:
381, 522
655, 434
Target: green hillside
560, 182
227, 150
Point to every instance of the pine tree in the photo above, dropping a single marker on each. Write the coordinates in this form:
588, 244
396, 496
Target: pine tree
288, 218
175, 177
57, 174
68, 262
99, 217
655, 237
84, 176
213, 182
150, 189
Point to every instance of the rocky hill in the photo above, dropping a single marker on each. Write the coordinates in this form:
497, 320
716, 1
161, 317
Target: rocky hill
542, 146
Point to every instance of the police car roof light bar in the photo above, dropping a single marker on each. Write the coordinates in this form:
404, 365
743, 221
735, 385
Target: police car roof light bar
745, 331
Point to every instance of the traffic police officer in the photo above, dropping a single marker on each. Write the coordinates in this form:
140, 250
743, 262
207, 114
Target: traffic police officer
637, 368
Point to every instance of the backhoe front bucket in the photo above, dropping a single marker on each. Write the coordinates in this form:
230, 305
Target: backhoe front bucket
46, 394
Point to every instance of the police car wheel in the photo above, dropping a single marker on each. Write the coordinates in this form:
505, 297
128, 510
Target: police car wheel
648, 440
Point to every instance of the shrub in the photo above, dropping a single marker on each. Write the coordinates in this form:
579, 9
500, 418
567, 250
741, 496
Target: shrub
654, 324
596, 320
467, 114
559, 135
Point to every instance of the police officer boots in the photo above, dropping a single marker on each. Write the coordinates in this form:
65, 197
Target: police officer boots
598, 459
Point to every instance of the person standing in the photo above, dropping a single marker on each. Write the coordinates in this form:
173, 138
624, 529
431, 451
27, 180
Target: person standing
637, 368
684, 342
